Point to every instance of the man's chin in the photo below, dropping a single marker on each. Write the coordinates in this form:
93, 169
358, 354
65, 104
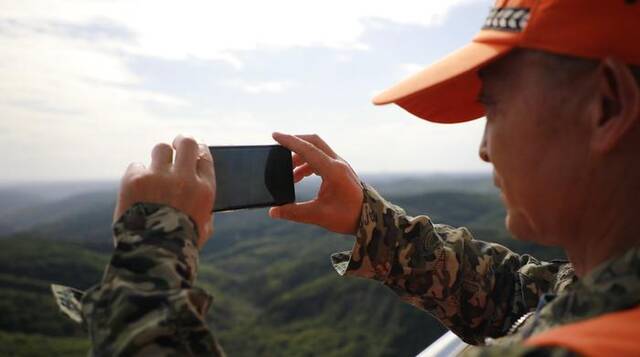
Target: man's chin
518, 226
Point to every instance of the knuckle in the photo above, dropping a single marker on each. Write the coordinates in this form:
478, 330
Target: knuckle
205, 162
340, 165
141, 177
207, 188
188, 141
342, 168
134, 168
162, 147
137, 180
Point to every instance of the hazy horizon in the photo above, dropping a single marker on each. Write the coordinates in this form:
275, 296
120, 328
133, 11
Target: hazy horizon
363, 175
29, 193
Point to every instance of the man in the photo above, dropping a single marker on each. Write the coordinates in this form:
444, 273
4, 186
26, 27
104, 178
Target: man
558, 83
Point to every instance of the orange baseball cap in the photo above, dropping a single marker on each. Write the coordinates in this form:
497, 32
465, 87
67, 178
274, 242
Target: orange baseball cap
447, 91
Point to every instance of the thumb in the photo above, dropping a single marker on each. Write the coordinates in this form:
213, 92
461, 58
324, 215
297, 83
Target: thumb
304, 212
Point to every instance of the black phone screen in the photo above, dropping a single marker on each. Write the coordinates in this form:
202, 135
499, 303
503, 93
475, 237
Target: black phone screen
252, 176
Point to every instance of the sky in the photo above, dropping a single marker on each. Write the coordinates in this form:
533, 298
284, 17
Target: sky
88, 86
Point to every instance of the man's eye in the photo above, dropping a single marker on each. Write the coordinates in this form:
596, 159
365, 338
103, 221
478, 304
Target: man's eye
485, 100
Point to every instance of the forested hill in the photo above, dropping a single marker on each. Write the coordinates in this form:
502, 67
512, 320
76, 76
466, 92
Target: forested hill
275, 291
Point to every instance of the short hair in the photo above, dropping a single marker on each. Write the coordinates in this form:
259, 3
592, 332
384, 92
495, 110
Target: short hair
572, 62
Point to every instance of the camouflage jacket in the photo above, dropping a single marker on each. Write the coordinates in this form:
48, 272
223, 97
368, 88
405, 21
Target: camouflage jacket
483, 292
147, 303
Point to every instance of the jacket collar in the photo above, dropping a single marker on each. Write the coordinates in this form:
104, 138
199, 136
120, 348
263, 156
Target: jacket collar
613, 285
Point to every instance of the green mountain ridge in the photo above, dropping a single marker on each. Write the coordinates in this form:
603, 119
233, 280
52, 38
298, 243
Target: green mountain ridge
275, 291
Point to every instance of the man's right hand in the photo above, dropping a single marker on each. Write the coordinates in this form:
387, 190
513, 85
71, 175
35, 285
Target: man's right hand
338, 203
188, 184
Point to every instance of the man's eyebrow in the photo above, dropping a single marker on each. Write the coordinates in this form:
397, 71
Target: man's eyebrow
482, 73
482, 98
486, 71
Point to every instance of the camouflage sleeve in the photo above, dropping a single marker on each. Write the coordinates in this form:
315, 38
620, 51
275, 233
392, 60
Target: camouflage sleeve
146, 303
476, 289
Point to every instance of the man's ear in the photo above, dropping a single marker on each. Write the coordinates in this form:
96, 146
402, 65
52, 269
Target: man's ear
619, 105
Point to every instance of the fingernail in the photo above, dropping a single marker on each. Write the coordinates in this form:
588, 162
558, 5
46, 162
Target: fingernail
274, 213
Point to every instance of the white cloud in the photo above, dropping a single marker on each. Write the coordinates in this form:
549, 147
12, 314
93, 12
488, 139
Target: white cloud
343, 58
214, 30
71, 106
268, 87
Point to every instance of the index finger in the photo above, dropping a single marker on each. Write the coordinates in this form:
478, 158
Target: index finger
319, 143
311, 154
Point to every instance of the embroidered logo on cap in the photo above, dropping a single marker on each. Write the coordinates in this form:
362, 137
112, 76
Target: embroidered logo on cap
507, 19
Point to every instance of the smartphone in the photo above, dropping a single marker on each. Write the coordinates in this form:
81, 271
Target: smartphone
252, 176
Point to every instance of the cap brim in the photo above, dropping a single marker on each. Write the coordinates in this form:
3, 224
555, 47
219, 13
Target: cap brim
446, 91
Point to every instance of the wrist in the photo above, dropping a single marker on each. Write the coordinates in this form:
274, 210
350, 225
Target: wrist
156, 243
144, 219
362, 213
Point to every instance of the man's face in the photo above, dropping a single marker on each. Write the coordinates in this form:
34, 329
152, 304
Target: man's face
537, 143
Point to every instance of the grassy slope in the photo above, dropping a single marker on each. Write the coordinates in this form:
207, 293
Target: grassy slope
36, 345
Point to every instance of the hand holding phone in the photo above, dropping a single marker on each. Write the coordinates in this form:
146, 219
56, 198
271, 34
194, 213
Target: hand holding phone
187, 184
338, 204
